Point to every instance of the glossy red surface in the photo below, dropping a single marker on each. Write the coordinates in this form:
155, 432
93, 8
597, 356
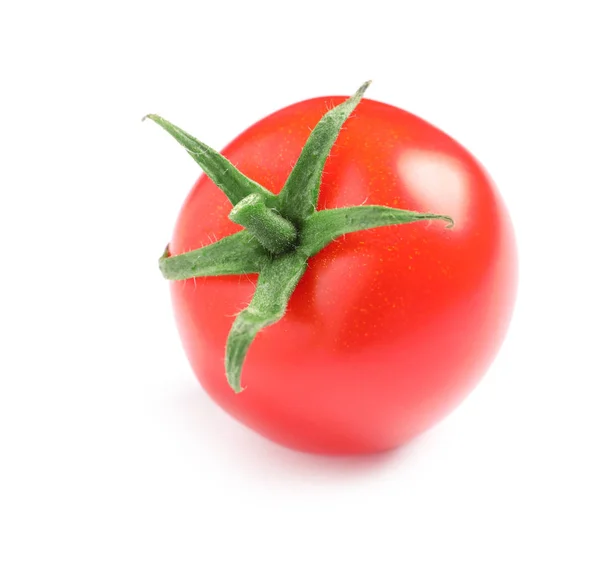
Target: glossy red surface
390, 328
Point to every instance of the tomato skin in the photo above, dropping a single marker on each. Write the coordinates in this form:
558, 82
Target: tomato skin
390, 328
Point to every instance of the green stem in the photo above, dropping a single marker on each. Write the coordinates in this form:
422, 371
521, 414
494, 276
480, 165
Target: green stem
276, 234
280, 232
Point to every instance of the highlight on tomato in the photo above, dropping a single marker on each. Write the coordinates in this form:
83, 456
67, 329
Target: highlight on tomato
354, 273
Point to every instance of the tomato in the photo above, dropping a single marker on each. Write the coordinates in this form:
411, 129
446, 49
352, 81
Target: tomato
389, 328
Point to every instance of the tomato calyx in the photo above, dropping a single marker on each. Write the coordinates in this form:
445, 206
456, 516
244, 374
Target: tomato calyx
281, 232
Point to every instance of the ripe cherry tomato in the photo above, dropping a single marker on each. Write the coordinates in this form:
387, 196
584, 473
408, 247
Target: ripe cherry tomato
390, 328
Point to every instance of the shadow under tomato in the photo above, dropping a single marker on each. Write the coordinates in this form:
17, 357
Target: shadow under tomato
207, 424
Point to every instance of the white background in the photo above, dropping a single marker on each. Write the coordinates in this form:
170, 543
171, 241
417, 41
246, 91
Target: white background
111, 451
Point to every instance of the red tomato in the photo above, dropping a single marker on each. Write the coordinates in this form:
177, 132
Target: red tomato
390, 328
